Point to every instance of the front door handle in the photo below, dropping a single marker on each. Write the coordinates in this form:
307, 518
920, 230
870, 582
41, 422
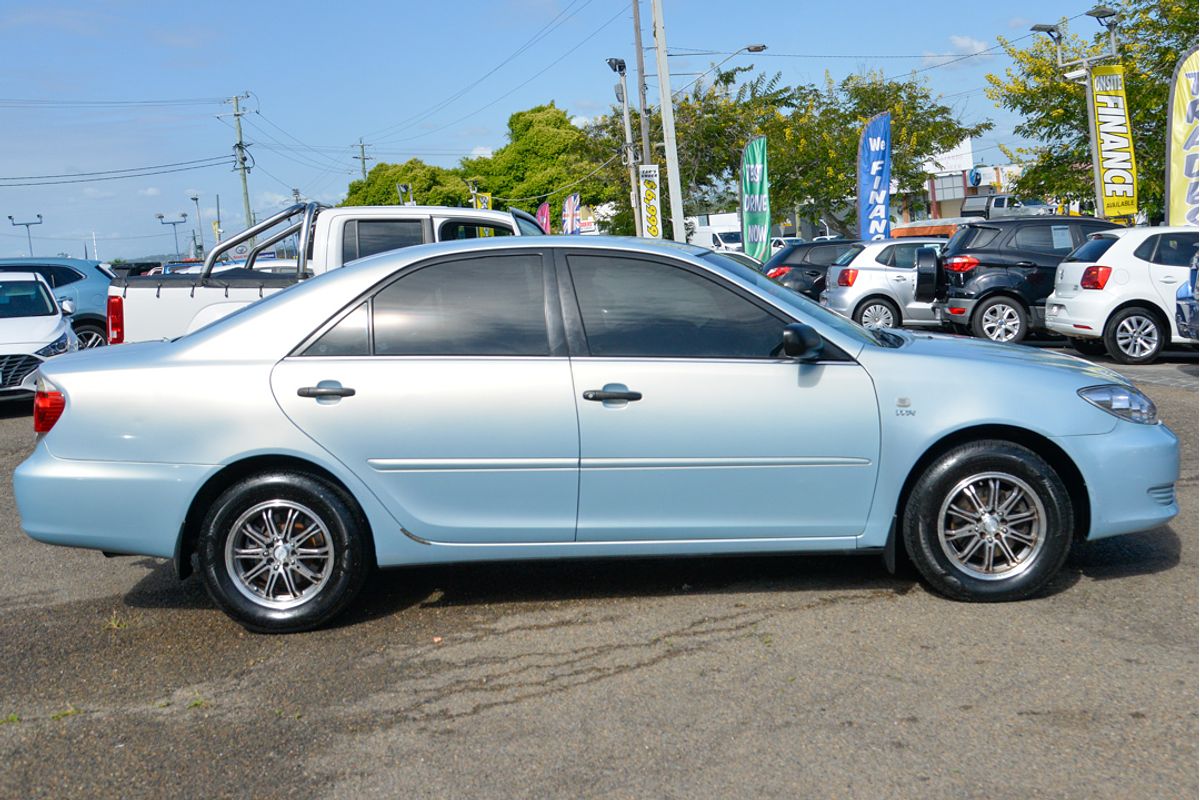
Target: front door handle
325, 391
1026, 264
599, 395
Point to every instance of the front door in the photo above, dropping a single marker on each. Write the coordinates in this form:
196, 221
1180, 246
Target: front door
690, 426
1170, 265
462, 416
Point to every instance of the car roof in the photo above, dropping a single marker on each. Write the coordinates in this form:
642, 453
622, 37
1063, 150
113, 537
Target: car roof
1040, 219
15, 277
78, 263
1145, 230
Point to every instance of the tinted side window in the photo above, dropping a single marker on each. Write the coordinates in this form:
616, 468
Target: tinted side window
487, 306
470, 229
633, 308
529, 228
905, 255
972, 236
63, 276
366, 237
350, 337
825, 255
1175, 249
1044, 239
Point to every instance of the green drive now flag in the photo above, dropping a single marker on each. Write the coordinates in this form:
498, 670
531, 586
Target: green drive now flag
756, 200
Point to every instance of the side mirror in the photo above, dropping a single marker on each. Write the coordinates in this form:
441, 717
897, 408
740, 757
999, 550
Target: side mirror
67, 306
801, 342
928, 275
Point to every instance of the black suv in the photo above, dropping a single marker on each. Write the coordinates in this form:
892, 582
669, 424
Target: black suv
801, 267
994, 276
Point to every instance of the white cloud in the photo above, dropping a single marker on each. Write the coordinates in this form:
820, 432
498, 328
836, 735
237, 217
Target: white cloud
92, 193
150, 191
1019, 23
482, 151
580, 121
959, 46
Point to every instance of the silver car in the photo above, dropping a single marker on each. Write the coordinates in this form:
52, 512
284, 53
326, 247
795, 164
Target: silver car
875, 284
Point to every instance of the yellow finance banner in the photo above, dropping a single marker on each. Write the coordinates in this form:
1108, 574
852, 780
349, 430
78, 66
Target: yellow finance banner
1114, 141
1183, 143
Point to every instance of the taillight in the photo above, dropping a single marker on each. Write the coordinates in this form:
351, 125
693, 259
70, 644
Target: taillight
116, 319
48, 405
1095, 277
960, 263
847, 277
775, 273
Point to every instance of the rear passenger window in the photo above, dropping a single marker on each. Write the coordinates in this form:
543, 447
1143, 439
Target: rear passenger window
366, 237
350, 337
467, 229
905, 255
972, 236
1044, 239
62, 276
1175, 249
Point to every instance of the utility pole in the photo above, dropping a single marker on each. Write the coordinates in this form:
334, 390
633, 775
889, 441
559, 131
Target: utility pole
296, 195
199, 224
678, 231
641, 79
363, 157
95, 247
217, 232
27, 225
240, 150
630, 153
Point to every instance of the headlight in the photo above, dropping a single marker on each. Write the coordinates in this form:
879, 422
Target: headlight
1122, 401
56, 347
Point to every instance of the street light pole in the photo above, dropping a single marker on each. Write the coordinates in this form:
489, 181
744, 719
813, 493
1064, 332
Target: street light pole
678, 231
28, 225
199, 223
174, 223
1108, 18
618, 66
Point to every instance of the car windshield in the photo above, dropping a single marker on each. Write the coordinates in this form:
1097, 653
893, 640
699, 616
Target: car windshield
848, 256
730, 237
24, 299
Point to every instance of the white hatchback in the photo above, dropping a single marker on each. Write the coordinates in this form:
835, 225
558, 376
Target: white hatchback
1116, 292
32, 329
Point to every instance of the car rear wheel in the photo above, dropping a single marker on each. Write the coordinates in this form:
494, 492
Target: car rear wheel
283, 551
1000, 319
1088, 347
1134, 336
91, 336
988, 521
878, 313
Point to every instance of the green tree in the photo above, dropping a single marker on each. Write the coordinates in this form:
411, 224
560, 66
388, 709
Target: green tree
1153, 34
432, 186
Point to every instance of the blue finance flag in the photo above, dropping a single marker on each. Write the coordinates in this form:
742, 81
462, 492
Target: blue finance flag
875, 178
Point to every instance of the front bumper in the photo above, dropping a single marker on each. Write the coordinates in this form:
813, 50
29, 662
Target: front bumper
115, 506
1130, 474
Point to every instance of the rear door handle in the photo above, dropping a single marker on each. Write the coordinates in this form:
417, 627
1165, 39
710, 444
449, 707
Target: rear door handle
1026, 264
599, 395
325, 391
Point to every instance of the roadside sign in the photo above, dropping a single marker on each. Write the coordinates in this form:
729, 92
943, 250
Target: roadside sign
648, 194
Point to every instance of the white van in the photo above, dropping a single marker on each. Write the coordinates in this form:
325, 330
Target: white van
718, 237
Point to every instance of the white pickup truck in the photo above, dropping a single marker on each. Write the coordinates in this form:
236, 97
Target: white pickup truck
149, 307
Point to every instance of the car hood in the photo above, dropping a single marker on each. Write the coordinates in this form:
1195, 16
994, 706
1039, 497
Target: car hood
979, 351
30, 330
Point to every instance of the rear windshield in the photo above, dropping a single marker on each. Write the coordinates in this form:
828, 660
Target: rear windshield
972, 236
730, 237
848, 256
24, 299
1092, 249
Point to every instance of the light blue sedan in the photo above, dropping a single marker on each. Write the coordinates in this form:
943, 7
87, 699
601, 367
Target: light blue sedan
577, 397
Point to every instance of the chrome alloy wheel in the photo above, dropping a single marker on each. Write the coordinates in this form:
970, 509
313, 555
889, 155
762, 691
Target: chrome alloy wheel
1137, 336
877, 315
1001, 322
279, 554
992, 526
91, 339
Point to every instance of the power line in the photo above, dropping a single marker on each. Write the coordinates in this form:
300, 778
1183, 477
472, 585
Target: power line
562, 17
113, 177
10, 102
112, 171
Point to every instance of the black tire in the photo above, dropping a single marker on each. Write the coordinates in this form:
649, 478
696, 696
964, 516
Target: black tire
1001, 319
1088, 347
961, 578
876, 308
91, 335
1135, 335
340, 529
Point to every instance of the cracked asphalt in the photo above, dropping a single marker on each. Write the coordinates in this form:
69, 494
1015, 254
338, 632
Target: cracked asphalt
738, 677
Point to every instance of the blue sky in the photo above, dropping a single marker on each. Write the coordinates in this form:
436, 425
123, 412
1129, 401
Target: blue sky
324, 74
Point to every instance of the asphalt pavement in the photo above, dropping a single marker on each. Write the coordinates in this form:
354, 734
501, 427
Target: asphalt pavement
754, 677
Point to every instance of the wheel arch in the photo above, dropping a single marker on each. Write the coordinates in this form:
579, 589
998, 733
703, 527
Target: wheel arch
88, 319
1000, 291
878, 295
1148, 305
1054, 455
189, 530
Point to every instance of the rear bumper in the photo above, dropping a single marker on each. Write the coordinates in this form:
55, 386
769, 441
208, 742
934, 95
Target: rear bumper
1082, 316
955, 311
1130, 475
118, 507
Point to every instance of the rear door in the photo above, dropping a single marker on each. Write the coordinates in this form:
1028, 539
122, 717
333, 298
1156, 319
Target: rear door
448, 393
1170, 265
1036, 250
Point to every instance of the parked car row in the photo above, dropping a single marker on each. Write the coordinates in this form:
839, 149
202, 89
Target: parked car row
1107, 288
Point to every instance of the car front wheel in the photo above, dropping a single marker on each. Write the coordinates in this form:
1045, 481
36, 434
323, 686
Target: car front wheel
988, 521
1001, 319
283, 551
